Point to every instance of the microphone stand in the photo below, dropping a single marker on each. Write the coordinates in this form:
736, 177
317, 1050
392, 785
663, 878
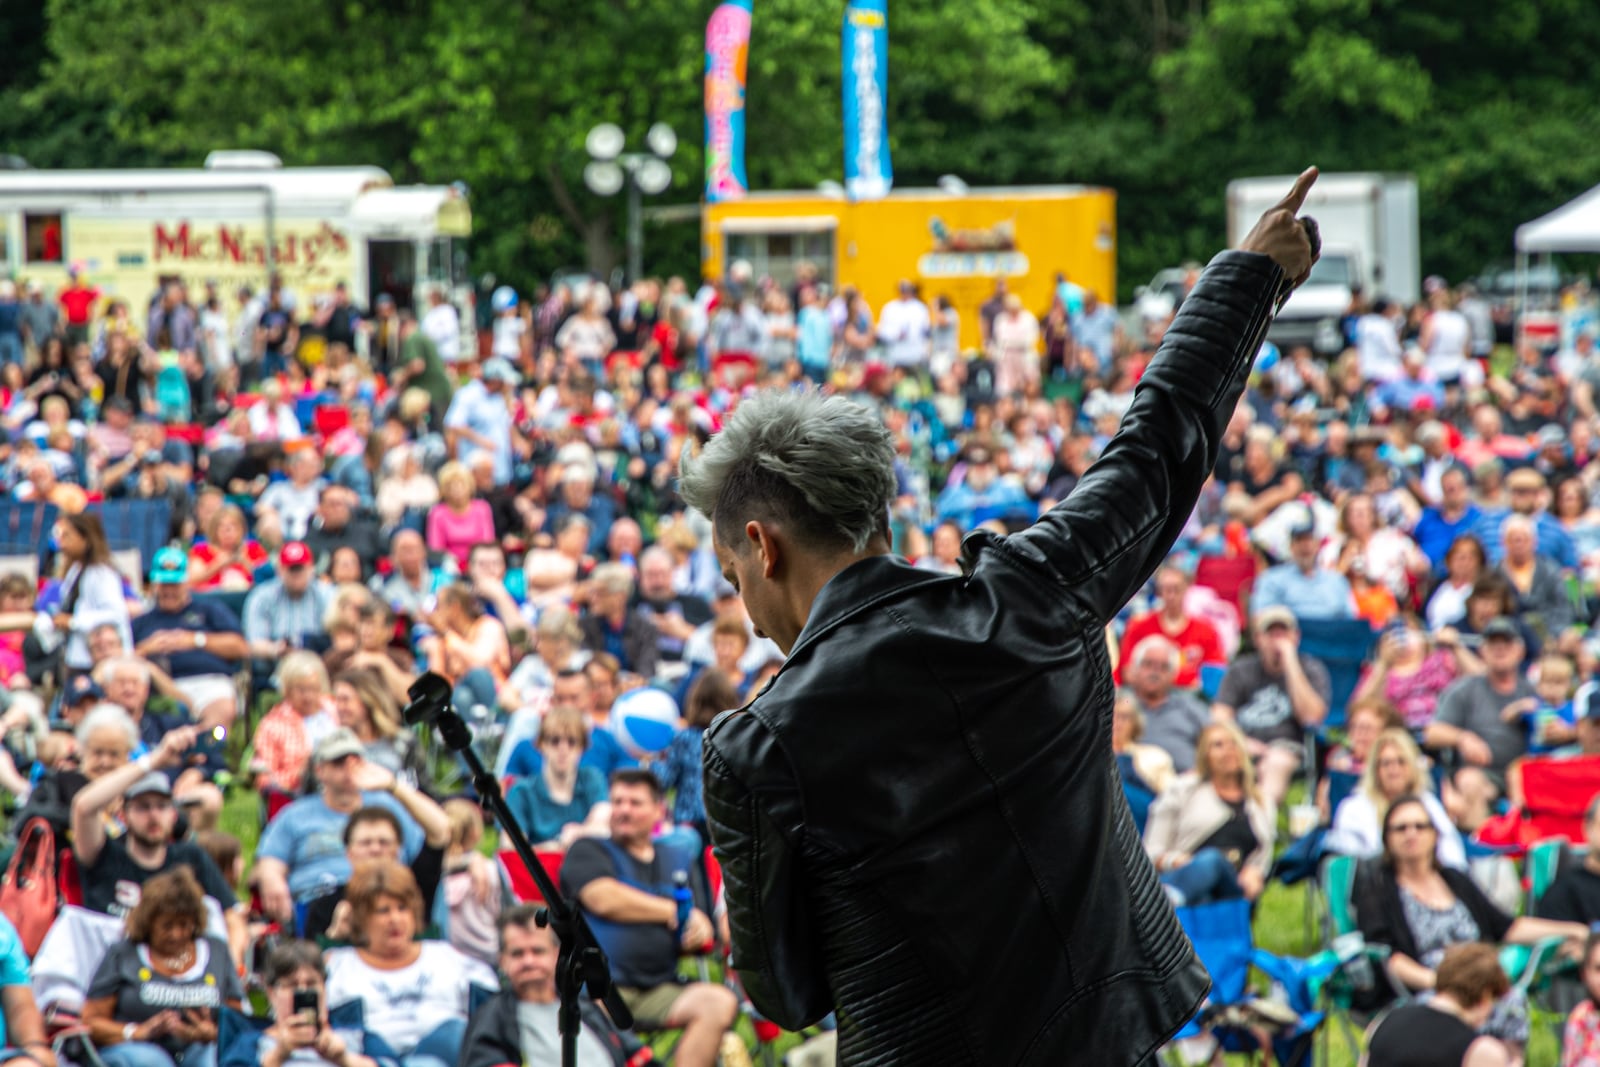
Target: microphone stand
580, 961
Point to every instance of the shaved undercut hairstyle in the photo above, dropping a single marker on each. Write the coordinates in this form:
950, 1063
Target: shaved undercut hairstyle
822, 467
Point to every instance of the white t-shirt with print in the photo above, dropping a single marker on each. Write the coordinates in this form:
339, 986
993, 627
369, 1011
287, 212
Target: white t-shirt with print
407, 1004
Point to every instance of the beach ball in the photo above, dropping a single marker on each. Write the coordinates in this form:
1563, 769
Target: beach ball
644, 721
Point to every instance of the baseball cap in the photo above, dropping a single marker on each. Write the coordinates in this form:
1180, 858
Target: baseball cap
1552, 434
497, 369
294, 554
169, 567
83, 687
337, 745
154, 782
1267, 618
1305, 524
1501, 627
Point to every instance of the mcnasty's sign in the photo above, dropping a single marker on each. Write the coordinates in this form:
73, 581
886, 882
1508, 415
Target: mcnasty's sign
127, 257
198, 243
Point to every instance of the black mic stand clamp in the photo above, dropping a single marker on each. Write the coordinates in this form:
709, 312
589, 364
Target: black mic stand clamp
580, 961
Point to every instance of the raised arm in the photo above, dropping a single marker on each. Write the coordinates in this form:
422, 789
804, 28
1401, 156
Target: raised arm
88, 832
1115, 528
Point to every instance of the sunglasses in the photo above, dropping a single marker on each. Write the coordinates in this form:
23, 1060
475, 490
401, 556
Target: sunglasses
560, 741
1403, 827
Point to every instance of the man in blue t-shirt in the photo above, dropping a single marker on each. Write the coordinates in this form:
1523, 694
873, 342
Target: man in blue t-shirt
301, 855
1456, 516
197, 642
625, 885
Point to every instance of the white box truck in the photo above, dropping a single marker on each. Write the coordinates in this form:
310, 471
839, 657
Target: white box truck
1370, 239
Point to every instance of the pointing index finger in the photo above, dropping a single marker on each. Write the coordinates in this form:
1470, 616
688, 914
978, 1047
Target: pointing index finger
1295, 199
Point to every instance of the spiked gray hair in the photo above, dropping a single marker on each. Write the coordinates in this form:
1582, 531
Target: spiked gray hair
824, 466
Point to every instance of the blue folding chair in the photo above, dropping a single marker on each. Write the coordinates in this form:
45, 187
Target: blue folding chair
1343, 646
1222, 938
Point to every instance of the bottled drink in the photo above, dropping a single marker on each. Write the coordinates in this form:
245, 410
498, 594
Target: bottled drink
685, 898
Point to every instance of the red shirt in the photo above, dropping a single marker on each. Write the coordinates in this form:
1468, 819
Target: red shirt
234, 575
1198, 642
78, 303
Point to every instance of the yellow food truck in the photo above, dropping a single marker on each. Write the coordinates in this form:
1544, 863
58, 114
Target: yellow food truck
235, 221
952, 243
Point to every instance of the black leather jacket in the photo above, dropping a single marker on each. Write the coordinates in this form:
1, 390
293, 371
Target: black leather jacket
920, 821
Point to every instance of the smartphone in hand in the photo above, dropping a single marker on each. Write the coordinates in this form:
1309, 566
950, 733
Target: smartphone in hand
308, 1001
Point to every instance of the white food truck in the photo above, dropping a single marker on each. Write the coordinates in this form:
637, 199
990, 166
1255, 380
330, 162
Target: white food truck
236, 221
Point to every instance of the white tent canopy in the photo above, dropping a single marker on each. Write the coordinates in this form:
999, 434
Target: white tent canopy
1572, 227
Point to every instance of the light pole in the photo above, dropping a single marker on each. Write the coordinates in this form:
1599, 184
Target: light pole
644, 173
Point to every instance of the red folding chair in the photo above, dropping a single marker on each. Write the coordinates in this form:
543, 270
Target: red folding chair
523, 885
1555, 794
1230, 577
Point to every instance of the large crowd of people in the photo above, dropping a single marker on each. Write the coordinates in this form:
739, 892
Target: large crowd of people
356, 496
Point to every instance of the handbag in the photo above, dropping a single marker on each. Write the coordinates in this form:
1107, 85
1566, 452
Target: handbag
28, 895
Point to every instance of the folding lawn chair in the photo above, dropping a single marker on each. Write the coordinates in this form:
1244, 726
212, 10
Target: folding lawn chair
1231, 1015
1230, 577
1343, 646
1360, 966
1556, 792
523, 887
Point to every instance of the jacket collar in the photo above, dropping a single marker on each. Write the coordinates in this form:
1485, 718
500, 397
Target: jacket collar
855, 589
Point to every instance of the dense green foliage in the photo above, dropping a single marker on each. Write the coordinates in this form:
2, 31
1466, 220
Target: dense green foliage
1488, 103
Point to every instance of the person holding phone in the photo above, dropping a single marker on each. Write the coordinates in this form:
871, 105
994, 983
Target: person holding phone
155, 999
303, 1031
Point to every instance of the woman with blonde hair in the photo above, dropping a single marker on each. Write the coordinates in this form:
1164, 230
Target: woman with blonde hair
1394, 769
1386, 554
1210, 834
363, 704
1264, 482
228, 558
559, 648
458, 521
404, 486
290, 731
695, 569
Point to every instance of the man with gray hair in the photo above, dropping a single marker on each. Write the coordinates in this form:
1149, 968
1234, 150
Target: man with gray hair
127, 683
674, 615
919, 822
1173, 718
1540, 585
610, 625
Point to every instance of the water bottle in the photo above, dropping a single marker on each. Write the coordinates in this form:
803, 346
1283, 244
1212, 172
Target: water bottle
684, 897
